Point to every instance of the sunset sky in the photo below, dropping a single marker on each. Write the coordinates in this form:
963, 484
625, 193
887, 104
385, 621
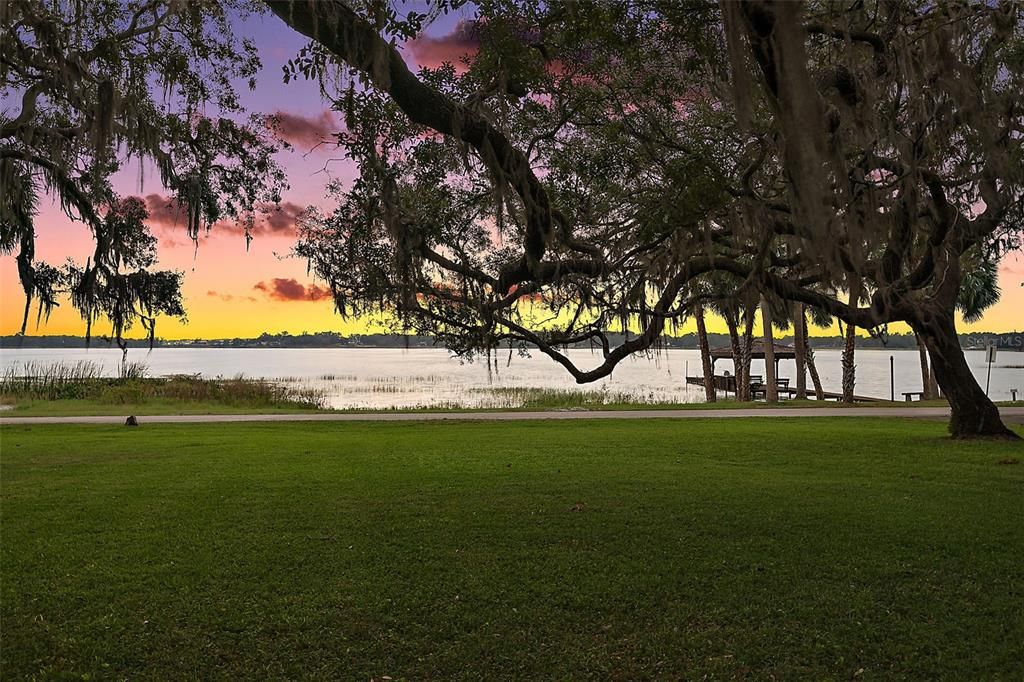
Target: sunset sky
230, 292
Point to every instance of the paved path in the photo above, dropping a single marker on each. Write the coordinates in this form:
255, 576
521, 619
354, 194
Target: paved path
1010, 414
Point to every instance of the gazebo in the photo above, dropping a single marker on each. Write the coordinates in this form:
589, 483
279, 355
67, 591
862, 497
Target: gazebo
782, 352
728, 383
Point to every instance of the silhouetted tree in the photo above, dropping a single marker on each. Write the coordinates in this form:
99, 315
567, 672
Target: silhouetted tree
105, 82
874, 143
891, 128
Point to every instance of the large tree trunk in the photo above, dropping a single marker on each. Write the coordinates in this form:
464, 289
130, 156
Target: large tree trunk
973, 414
737, 351
771, 392
799, 350
926, 383
705, 354
819, 392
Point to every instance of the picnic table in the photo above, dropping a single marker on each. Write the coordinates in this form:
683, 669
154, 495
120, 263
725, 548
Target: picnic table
759, 389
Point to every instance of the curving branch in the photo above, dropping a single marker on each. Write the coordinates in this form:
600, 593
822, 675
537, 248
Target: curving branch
352, 39
66, 186
875, 41
652, 331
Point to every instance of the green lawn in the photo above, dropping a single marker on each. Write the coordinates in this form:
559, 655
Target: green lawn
852, 548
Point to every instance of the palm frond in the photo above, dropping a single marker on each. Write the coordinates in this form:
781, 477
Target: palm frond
979, 289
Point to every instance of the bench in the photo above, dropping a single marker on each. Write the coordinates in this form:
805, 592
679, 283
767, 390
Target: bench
909, 395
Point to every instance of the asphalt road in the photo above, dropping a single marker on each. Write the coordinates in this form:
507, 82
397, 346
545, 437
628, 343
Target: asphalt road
1010, 414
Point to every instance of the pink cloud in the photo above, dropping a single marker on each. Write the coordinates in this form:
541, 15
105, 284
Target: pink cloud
282, 289
166, 216
164, 212
275, 220
463, 41
305, 132
229, 297
1012, 266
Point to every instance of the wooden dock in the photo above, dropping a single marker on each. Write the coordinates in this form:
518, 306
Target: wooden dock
728, 385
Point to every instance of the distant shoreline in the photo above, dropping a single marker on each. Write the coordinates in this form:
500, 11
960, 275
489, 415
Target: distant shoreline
1007, 341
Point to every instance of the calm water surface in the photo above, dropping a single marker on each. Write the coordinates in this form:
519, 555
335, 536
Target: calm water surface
391, 377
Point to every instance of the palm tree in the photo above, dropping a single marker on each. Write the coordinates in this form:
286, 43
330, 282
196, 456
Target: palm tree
929, 389
979, 289
734, 308
781, 314
730, 314
705, 352
799, 350
774, 315
771, 393
849, 368
819, 318
749, 304
726, 304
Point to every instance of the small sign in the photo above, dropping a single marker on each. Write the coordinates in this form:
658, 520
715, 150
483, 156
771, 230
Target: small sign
990, 353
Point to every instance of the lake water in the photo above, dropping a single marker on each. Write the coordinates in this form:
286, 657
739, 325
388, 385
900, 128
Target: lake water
390, 377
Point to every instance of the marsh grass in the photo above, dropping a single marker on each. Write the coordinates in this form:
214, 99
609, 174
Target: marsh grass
553, 398
85, 381
81, 388
60, 380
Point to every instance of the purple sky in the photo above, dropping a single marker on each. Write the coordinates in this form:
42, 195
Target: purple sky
233, 292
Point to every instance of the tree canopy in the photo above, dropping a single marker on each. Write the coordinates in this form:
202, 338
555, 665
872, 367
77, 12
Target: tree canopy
588, 166
104, 83
599, 159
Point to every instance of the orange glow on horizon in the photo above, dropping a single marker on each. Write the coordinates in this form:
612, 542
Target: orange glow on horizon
228, 292
223, 300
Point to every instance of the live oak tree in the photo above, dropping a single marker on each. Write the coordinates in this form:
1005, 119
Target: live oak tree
582, 170
592, 163
452, 226
888, 147
91, 87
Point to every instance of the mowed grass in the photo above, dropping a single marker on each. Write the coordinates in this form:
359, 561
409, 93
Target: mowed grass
841, 549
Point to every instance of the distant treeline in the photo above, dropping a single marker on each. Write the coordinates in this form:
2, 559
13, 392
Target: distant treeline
1008, 341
